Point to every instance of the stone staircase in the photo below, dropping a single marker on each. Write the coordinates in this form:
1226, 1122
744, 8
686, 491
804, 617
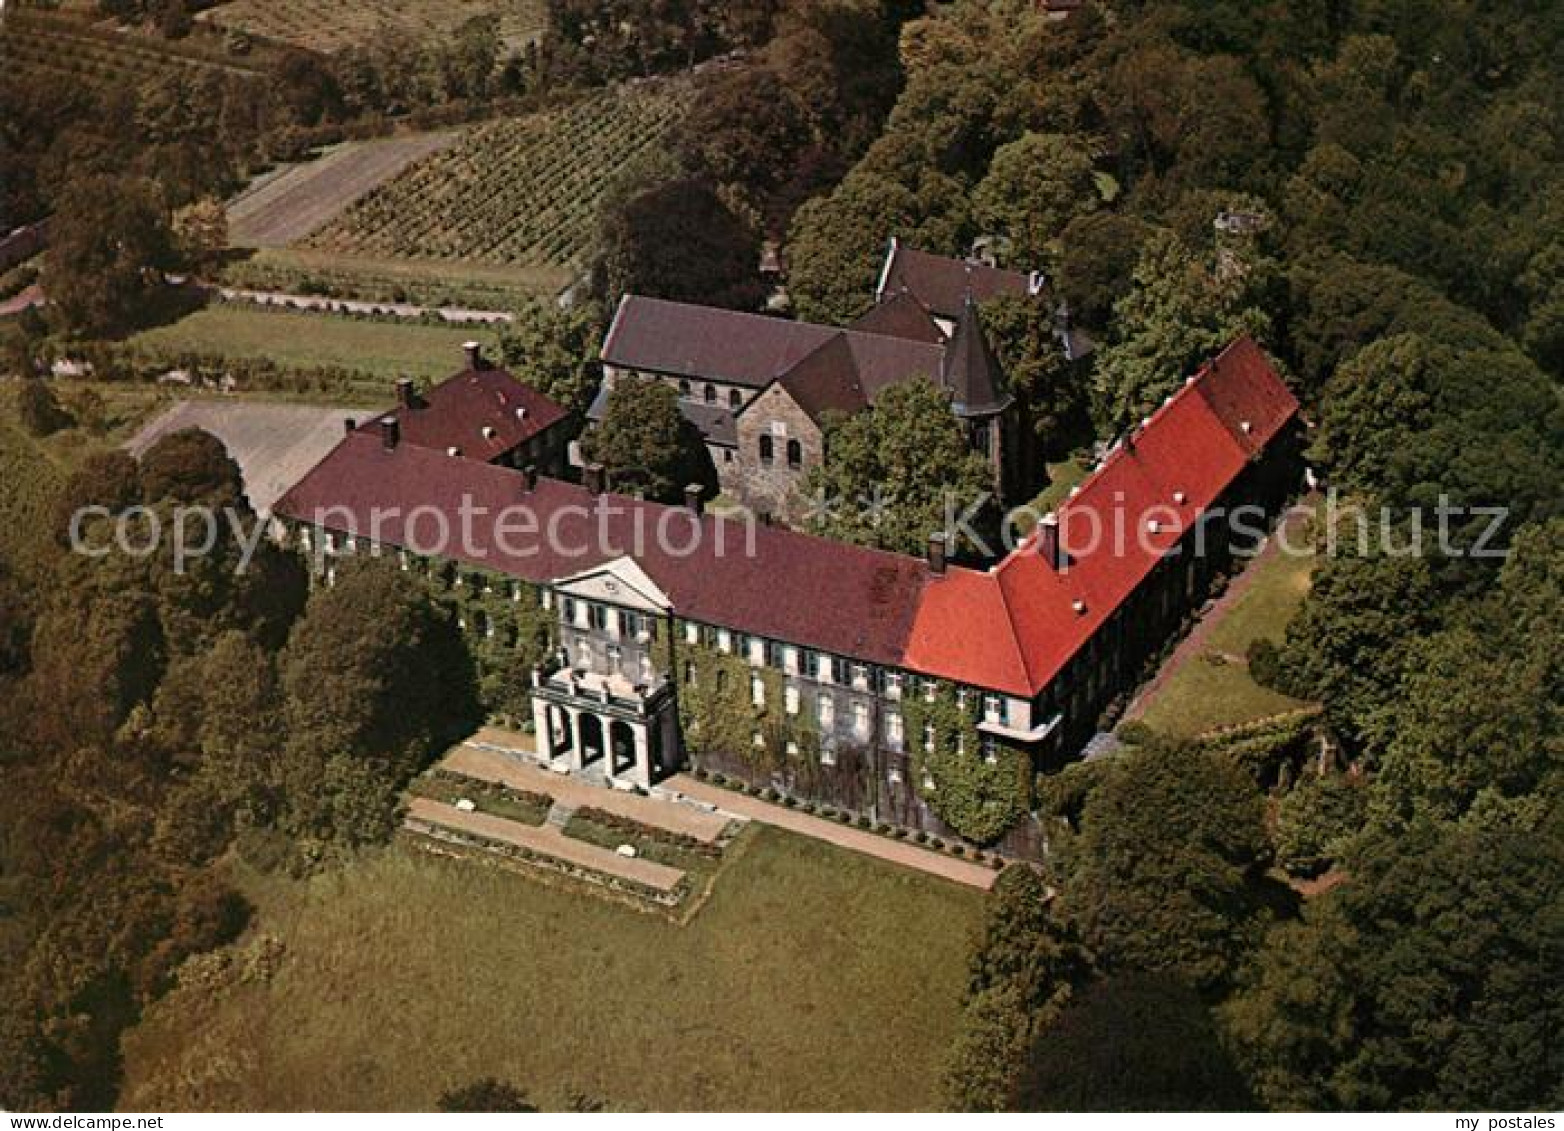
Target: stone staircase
559, 815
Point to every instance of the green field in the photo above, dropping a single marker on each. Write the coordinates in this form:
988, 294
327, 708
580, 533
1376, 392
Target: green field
1214, 689
474, 286
345, 23
375, 348
517, 192
814, 978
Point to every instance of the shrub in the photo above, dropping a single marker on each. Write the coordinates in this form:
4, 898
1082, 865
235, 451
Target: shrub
1264, 663
1315, 820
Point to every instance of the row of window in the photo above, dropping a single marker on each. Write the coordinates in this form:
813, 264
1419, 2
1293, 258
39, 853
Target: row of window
709, 394
825, 668
607, 619
768, 452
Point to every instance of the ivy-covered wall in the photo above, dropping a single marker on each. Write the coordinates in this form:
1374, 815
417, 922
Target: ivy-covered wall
523, 633
717, 711
977, 798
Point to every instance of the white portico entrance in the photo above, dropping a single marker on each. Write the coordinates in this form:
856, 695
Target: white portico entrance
603, 706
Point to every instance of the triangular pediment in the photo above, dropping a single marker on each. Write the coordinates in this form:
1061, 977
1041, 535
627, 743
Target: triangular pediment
619, 582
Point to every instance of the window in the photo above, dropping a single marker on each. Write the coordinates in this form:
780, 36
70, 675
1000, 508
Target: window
860, 677
994, 709
827, 756
727, 455
795, 454
928, 738
684, 387
614, 658
893, 730
790, 699
773, 654
928, 690
811, 665
568, 609
735, 399
757, 691
893, 775
631, 624
767, 450
597, 617
860, 718
827, 712
741, 647
989, 749
711, 394
893, 685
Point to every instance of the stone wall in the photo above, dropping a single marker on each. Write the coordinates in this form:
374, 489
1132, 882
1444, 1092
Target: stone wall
770, 487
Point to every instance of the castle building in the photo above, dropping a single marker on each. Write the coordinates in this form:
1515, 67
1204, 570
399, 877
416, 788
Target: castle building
761, 390
897, 685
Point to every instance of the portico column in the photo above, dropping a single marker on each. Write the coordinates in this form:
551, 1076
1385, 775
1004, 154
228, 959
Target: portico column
643, 756
576, 755
543, 733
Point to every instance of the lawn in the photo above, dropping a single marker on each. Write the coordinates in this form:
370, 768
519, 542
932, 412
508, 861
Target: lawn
1214, 689
473, 285
814, 978
382, 348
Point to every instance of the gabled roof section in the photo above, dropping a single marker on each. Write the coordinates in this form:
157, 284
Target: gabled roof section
625, 572
1116, 527
683, 340
971, 372
901, 315
747, 577
484, 413
942, 284
827, 381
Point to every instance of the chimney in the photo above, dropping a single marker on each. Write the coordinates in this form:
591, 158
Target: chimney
405, 395
1049, 543
474, 352
592, 477
529, 477
693, 498
349, 426
937, 542
390, 433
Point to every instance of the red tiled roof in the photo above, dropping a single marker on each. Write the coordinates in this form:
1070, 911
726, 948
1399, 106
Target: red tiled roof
484, 413
804, 590
1009, 629
1193, 447
942, 284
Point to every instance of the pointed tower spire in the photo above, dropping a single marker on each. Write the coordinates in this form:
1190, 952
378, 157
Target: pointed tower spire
972, 372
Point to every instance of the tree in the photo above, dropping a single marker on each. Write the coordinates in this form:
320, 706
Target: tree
646, 444
1035, 186
1164, 874
1477, 723
1131, 1042
1052, 390
486, 1095
191, 466
373, 670
1179, 312
200, 233
745, 128
1428, 981
109, 242
893, 473
837, 242
555, 351
680, 241
1022, 972
1351, 643
1098, 252
39, 409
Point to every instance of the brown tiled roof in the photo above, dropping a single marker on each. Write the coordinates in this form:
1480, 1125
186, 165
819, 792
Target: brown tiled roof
827, 380
942, 284
901, 315
677, 338
484, 413
971, 372
804, 590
